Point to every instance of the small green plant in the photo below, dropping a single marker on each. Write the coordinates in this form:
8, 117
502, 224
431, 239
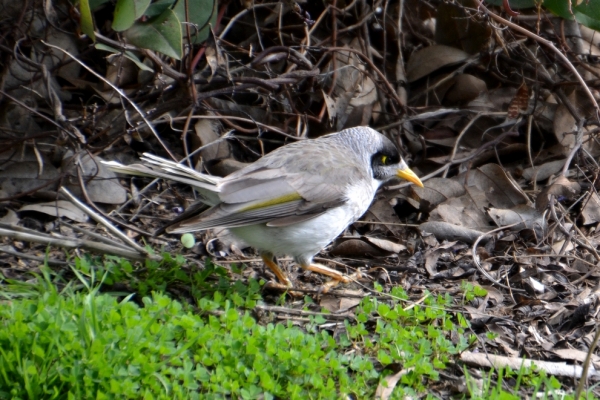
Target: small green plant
471, 291
161, 26
79, 343
504, 384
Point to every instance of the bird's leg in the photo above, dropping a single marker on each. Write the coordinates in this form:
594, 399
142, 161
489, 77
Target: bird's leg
332, 273
272, 265
321, 269
333, 282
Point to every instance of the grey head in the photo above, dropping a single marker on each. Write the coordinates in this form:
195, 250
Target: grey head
373, 150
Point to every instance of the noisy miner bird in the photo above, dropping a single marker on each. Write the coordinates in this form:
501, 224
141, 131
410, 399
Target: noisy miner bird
294, 200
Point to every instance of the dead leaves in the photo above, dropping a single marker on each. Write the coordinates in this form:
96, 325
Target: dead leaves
354, 93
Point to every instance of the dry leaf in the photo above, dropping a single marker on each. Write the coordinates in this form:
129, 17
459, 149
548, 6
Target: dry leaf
519, 103
59, 208
360, 247
386, 385
432, 58
524, 216
207, 132
455, 27
446, 231
565, 128
562, 187
591, 209
464, 88
435, 191
500, 189
543, 171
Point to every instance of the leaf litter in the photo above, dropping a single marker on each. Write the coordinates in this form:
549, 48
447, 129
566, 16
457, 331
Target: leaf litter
502, 130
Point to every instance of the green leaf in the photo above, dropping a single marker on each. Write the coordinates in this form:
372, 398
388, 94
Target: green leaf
383, 309
232, 315
200, 13
587, 12
143, 67
479, 291
162, 34
87, 21
158, 7
95, 4
127, 12
515, 4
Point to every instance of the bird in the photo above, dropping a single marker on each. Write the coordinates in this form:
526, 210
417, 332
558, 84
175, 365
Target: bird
292, 201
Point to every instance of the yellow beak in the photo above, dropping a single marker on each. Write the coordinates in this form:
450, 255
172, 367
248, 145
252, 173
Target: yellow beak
409, 176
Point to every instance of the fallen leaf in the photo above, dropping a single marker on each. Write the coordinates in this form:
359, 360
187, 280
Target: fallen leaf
435, 192
524, 216
561, 187
431, 58
464, 88
591, 209
386, 385
207, 136
59, 208
446, 231
500, 189
456, 27
544, 171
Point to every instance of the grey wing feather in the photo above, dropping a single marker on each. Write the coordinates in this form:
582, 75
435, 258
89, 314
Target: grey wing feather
321, 180
223, 216
322, 176
253, 189
304, 213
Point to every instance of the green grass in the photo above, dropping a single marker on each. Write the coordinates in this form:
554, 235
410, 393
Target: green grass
78, 343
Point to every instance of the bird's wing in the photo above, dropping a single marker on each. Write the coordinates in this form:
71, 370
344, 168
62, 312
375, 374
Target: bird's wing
287, 186
276, 193
321, 174
228, 216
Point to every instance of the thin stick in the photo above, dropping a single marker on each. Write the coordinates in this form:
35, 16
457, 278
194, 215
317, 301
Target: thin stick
98, 218
551, 46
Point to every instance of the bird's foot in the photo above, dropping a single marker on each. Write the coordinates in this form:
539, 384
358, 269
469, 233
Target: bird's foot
327, 286
284, 288
332, 273
272, 265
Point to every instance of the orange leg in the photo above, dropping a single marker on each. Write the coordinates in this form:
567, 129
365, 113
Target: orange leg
332, 273
272, 265
333, 282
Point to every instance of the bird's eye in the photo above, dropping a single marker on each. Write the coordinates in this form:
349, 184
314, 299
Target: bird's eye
384, 159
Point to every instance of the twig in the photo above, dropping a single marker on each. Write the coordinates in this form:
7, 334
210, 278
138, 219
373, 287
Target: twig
551, 46
576, 146
478, 264
94, 235
119, 92
292, 311
70, 243
101, 220
586, 364
50, 261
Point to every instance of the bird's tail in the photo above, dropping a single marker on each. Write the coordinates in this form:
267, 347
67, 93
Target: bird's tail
157, 167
